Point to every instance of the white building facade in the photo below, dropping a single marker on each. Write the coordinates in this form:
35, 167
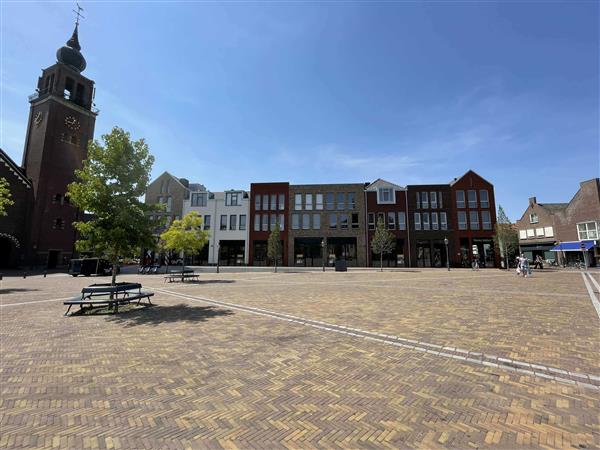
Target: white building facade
225, 216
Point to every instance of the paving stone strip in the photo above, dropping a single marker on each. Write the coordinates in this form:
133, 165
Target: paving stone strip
523, 367
590, 290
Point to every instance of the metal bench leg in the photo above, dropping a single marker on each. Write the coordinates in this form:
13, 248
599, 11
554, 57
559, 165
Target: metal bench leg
69, 309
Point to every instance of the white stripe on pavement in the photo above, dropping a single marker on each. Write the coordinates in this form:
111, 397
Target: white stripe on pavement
595, 301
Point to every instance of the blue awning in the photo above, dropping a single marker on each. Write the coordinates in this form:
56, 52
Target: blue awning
573, 246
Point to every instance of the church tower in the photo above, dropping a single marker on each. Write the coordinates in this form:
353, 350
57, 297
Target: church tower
62, 117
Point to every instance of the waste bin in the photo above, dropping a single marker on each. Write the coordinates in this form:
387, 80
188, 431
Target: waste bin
340, 265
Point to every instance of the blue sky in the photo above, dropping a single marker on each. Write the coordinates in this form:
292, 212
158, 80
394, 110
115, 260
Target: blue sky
232, 93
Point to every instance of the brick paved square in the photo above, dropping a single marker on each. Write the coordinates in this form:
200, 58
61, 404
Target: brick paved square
361, 359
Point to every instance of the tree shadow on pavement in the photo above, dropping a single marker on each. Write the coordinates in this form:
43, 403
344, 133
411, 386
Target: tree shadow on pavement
158, 315
12, 290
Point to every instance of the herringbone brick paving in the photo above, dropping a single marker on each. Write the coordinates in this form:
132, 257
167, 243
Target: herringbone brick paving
183, 374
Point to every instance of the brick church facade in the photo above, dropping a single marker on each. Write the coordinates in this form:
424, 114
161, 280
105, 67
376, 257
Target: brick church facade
38, 230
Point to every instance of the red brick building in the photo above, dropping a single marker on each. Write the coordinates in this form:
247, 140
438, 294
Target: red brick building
473, 216
388, 202
61, 123
268, 205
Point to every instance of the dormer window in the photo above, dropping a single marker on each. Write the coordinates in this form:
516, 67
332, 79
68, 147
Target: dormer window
233, 199
385, 195
533, 218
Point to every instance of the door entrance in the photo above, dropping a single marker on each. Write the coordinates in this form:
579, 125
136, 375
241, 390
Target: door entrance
53, 258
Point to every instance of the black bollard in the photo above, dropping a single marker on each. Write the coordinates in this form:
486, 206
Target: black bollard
1, 275
24, 275
44, 274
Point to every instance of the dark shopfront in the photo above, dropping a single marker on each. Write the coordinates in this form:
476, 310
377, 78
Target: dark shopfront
481, 248
342, 248
396, 258
308, 252
231, 253
431, 253
531, 252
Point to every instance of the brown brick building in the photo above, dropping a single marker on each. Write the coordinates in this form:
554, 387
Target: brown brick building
61, 123
431, 210
326, 219
557, 230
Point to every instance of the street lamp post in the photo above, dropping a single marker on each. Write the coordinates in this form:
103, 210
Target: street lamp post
323, 252
447, 254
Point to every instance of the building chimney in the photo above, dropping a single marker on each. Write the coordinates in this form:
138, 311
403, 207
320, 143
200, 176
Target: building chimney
532, 201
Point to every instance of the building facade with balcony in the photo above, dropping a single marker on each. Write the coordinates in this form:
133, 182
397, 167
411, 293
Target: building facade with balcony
225, 215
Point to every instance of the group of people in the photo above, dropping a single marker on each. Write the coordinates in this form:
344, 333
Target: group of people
523, 268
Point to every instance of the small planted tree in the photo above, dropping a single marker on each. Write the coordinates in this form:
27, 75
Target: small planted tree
185, 236
113, 179
506, 236
383, 241
5, 197
274, 247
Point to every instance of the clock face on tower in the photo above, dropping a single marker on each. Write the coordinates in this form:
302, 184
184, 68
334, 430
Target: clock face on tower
38, 118
72, 123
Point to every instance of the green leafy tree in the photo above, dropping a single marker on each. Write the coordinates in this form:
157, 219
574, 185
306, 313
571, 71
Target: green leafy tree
185, 236
274, 248
506, 237
383, 241
109, 186
5, 197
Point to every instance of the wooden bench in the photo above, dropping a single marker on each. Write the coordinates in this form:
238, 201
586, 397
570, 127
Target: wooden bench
107, 294
175, 275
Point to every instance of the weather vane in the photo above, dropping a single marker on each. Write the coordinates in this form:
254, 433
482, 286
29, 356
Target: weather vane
78, 13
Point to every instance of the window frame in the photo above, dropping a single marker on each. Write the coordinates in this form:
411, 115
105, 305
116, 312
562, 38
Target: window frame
462, 225
460, 199
417, 220
474, 225
223, 223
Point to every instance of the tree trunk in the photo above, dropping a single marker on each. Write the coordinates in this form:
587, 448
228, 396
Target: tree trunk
182, 264
275, 264
381, 261
114, 274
